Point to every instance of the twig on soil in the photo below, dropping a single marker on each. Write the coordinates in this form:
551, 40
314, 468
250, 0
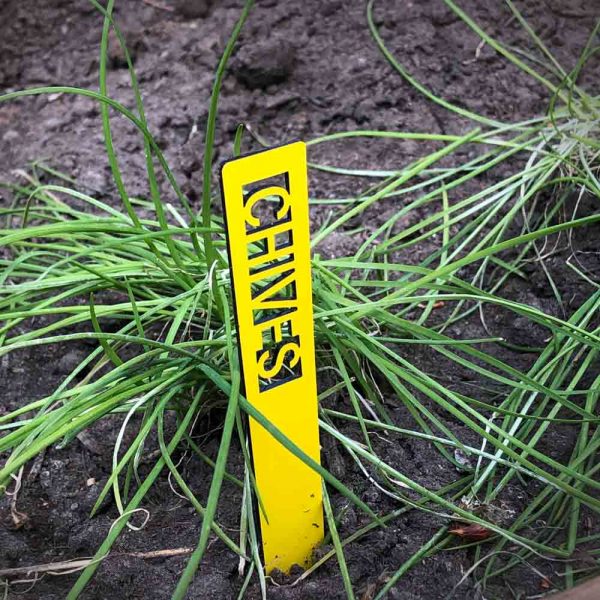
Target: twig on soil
69, 566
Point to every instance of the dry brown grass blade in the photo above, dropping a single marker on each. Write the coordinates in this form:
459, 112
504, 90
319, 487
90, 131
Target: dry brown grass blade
69, 566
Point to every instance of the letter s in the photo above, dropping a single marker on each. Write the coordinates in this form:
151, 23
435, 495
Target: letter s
266, 373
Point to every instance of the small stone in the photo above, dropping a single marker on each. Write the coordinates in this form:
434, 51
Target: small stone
312, 589
463, 459
441, 15
10, 136
330, 7
264, 63
116, 54
55, 123
71, 359
372, 495
45, 480
193, 9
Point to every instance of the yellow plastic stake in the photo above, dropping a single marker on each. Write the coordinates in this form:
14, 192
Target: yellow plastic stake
265, 197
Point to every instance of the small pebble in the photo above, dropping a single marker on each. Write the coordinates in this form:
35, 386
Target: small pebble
193, 9
260, 64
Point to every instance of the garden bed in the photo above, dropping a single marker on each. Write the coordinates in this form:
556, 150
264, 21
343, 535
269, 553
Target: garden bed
302, 70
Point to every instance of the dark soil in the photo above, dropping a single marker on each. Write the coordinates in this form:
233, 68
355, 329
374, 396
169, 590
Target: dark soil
303, 69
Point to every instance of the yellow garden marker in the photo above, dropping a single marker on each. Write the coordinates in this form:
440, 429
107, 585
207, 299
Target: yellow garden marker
266, 212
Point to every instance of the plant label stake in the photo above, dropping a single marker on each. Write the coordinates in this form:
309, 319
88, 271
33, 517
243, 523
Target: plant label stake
265, 198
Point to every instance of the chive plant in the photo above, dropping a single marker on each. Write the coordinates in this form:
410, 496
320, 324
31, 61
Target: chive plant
173, 353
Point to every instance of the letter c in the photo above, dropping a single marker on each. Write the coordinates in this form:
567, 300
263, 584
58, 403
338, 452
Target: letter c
263, 194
